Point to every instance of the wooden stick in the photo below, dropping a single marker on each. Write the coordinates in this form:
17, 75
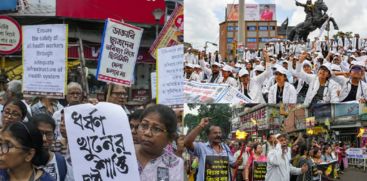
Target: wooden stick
109, 92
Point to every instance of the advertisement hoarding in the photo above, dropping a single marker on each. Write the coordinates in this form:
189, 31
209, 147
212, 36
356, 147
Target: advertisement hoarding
253, 12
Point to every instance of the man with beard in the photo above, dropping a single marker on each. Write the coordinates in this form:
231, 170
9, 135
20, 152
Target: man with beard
214, 147
279, 167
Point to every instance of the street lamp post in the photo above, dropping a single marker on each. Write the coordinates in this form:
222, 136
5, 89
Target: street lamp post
157, 13
206, 45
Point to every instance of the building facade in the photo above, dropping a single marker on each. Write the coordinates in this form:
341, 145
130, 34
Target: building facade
256, 35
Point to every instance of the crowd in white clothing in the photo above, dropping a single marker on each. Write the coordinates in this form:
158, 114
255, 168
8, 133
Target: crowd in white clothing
327, 71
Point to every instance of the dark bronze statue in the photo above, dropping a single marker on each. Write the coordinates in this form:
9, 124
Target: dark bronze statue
315, 17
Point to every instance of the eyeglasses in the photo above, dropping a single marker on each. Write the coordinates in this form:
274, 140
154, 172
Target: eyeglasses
136, 127
119, 94
49, 135
75, 93
13, 114
155, 130
5, 147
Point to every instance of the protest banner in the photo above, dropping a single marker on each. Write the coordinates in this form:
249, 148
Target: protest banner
10, 35
172, 32
328, 169
259, 171
234, 96
100, 142
153, 84
120, 45
357, 153
170, 79
216, 168
196, 92
44, 60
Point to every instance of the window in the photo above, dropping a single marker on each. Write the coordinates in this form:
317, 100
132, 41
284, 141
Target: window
236, 28
251, 28
229, 40
230, 28
251, 40
263, 28
271, 27
264, 40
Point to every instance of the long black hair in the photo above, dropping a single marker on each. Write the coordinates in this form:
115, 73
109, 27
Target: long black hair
29, 137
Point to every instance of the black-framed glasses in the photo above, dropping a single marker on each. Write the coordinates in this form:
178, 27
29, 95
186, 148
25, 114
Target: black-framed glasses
6, 146
75, 93
13, 114
153, 129
49, 135
119, 94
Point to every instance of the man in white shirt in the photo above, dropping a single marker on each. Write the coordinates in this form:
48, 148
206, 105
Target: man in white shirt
279, 167
190, 57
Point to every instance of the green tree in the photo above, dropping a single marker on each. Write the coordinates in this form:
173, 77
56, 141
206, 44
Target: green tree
220, 114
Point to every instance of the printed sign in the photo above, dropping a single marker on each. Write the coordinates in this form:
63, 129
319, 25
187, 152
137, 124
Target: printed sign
259, 171
170, 79
100, 141
172, 32
216, 168
10, 35
253, 12
196, 92
120, 47
28, 7
44, 60
358, 153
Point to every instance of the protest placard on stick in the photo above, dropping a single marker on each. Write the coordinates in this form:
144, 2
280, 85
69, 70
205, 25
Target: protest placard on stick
120, 45
100, 143
170, 79
44, 60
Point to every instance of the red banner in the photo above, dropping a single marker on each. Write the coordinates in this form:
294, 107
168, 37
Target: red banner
133, 11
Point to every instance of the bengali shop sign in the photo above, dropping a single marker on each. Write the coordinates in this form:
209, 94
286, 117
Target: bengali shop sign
216, 168
10, 35
120, 47
172, 32
100, 141
44, 60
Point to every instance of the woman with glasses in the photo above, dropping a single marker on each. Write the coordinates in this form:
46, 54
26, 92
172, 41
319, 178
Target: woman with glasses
56, 165
22, 153
13, 111
156, 130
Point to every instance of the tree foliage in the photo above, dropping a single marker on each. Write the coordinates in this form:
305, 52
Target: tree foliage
220, 114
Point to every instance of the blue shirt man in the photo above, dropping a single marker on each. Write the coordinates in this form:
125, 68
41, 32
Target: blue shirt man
214, 147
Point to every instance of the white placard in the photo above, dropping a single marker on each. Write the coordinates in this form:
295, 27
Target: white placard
119, 50
100, 142
44, 60
153, 84
170, 79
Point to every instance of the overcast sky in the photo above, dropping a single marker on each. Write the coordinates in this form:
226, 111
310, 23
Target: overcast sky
202, 17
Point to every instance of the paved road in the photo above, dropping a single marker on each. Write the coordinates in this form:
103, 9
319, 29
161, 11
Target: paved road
353, 174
